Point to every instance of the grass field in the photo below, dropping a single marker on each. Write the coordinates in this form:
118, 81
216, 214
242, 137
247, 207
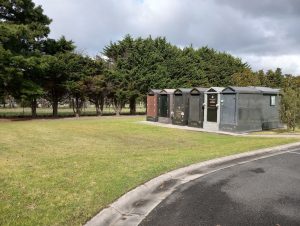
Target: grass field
62, 111
62, 172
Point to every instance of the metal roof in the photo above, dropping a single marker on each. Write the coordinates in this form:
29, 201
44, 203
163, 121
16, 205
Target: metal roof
266, 89
240, 89
168, 91
217, 89
236, 89
184, 90
201, 89
154, 91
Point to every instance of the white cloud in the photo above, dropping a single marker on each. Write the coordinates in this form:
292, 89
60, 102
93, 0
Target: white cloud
260, 31
290, 63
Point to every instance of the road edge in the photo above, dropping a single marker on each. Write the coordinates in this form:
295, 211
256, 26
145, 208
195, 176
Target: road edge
135, 205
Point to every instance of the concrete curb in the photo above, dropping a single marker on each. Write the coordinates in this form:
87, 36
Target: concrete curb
134, 206
171, 126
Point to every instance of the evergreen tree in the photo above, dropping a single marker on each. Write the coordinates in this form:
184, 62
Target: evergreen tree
245, 78
219, 66
275, 78
79, 69
54, 64
290, 102
155, 63
23, 27
262, 77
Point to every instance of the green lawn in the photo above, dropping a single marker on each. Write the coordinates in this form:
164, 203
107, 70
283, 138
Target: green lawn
62, 172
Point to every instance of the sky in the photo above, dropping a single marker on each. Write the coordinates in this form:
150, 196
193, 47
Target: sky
264, 33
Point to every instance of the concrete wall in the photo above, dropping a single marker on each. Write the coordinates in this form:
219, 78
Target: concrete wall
196, 112
253, 113
270, 114
181, 109
248, 113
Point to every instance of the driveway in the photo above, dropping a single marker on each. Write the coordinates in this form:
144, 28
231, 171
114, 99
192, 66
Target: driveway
261, 192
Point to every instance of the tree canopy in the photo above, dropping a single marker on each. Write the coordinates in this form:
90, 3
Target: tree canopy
155, 63
23, 28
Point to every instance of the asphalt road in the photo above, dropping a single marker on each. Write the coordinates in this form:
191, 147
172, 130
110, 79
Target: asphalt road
261, 192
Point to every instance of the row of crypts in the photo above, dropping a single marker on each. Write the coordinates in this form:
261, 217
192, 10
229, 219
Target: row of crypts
201, 107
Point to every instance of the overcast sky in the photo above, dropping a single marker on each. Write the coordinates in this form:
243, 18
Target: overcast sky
264, 33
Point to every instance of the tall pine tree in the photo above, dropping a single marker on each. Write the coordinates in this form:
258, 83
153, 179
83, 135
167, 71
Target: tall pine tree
23, 28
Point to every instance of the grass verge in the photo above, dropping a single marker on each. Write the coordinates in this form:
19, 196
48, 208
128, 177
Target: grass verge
279, 131
62, 172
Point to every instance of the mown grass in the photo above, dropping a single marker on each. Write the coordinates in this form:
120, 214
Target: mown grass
62, 172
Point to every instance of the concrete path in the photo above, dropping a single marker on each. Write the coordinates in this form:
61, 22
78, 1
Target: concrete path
218, 132
132, 208
261, 192
187, 128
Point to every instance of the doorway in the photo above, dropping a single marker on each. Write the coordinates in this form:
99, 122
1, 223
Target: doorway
163, 106
212, 109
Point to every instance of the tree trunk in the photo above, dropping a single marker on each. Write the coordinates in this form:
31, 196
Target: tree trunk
117, 111
33, 108
118, 107
145, 104
55, 108
78, 107
98, 108
101, 103
132, 105
73, 106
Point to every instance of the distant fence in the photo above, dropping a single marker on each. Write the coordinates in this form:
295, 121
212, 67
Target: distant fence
64, 111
